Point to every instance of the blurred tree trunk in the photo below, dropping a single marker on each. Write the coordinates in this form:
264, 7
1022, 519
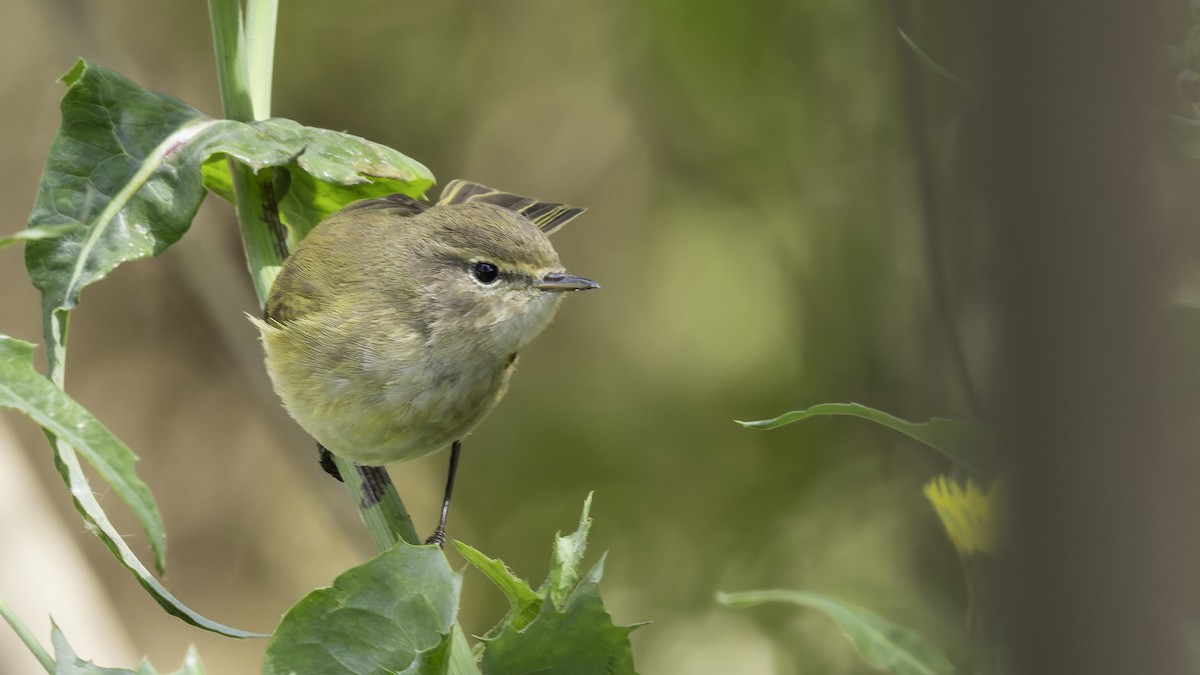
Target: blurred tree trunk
1068, 163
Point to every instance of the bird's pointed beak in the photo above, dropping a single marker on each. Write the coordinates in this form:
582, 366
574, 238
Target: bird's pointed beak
559, 281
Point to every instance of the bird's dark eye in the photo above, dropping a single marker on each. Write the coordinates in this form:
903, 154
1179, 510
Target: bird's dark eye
485, 272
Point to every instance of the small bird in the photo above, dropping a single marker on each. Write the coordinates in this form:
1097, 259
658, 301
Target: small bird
394, 327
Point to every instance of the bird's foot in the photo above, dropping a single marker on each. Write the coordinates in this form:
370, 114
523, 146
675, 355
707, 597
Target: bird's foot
328, 464
438, 537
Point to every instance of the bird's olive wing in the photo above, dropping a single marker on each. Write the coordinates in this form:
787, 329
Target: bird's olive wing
548, 216
297, 290
292, 296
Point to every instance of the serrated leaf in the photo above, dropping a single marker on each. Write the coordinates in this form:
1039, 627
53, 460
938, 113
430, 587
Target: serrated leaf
68, 663
571, 631
966, 443
24, 389
385, 615
880, 642
580, 638
523, 602
566, 559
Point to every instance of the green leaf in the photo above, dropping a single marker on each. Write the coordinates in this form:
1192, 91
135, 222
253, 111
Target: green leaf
572, 632
85, 502
394, 612
566, 559
126, 174
578, 638
118, 179
325, 170
881, 643
523, 602
68, 663
965, 443
307, 201
24, 389
122, 182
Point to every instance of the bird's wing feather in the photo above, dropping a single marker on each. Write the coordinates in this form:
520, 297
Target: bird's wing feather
293, 294
397, 204
291, 297
548, 216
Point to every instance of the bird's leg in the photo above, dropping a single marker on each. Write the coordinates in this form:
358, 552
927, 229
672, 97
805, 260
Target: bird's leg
327, 462
439, 535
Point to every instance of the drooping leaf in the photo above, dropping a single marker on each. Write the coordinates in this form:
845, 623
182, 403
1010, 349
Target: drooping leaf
392, 613
523, 603
24, 389
126, 174
115, 187
122, 182
880, 642
68, 663
85, 502
578, 638
325, 170
968, 444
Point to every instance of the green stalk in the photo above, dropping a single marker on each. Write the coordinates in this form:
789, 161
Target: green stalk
380, 505
245, 44
30, 641
244, 49
260, 49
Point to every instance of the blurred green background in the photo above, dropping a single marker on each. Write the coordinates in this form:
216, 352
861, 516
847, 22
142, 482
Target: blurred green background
752, 220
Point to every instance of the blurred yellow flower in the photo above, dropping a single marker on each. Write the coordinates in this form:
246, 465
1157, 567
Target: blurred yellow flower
966, 513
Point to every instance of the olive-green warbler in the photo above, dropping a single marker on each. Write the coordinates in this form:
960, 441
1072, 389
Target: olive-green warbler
394, 327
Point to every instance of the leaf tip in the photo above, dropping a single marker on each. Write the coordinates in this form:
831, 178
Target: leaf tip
72, 76
587, 507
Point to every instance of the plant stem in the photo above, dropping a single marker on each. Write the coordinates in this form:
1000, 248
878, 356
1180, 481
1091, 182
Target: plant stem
259, 46
31, 643
227, 28
263, 234
245, 43
244, 47
376, 498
